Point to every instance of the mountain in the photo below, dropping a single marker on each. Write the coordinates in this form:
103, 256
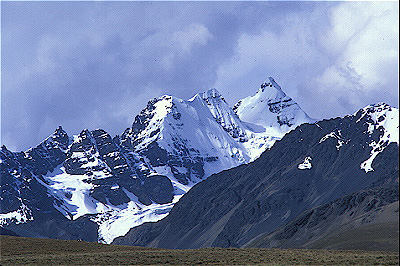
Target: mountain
270, 114
27, 206
313, 165
188, 140
282, 114
93, 186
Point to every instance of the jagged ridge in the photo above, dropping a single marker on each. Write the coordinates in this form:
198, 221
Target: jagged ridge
117, 183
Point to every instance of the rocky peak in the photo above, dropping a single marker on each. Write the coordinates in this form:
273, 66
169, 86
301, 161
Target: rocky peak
376, 112
270, 107
209, 94
222, 113
271, 83
61, 137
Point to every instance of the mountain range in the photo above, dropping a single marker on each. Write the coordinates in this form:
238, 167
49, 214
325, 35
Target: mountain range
319, 179
96, 187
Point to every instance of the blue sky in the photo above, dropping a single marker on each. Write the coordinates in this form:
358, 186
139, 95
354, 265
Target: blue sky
96, 64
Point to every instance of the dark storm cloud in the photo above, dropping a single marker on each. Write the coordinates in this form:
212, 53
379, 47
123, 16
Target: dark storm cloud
95, 65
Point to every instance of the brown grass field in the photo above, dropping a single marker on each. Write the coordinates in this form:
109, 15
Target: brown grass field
21, 250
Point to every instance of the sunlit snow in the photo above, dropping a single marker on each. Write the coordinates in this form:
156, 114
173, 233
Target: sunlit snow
118, 222
113, 221
336, 135
269, 115
22, 215
74, 192
383, 117
306, 164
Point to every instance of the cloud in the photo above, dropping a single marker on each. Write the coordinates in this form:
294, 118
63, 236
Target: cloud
363, 43
333, 59
96, 64
100, 69
194, 34
286, 48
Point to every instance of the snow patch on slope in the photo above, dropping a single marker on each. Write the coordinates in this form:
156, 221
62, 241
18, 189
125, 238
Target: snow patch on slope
117, 223
336, 135
22, 215
306, 164
380, 117
74, 192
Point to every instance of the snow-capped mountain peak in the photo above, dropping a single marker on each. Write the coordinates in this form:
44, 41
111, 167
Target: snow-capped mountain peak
58, 139
270, 82
222, 112
271, 108
188, 140
210, 93
269, 115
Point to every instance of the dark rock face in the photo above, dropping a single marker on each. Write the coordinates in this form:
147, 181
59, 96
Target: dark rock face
21, 172
233, 207
159, 188
113, 170
23, 190
179, 156
54, 225
142, 120
43, 158
8, 182
96, 152
6, 232
82, 153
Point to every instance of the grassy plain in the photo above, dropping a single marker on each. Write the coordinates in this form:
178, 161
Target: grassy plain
21, 250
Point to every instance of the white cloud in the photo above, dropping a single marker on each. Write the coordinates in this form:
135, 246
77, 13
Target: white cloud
62, 58
364, 41
194, 34
182, 43
288, 54
333, 60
